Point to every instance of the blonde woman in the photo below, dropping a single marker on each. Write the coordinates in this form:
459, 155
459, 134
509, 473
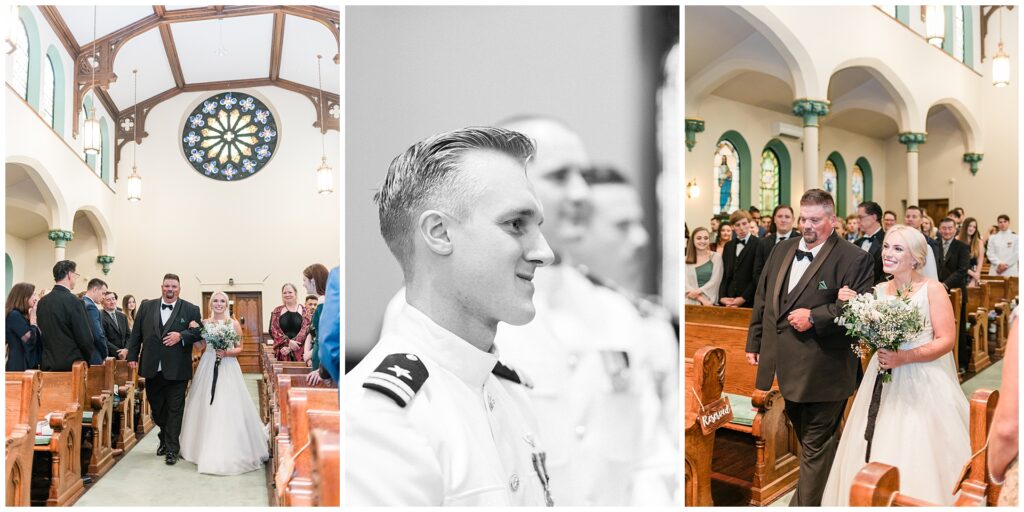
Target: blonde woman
221, 432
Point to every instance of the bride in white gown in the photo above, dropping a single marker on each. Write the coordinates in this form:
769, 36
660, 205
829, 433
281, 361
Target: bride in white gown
227, 436
922, 424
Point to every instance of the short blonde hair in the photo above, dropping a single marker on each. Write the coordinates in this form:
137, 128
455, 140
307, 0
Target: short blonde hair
916, 243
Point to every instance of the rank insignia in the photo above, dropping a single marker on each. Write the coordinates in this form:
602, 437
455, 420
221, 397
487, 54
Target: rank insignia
507, 373
399, 377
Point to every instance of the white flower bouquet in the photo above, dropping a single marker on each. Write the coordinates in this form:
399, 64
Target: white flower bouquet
221, 335
880, 323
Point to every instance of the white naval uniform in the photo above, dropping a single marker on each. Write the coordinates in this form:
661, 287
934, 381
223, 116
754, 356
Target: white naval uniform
608, 440
1003, 247
467, 437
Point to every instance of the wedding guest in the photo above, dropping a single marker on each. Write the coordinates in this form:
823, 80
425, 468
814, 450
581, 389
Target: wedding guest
1003, 249
63, 322
954, 260
129, 308
737, 288
755, 222
840, 227
329, 328
969, 235
928, 227
310, 302
1003, 448
869, 215
115, 327
23, 337
913, 217
852, 227
724, 236
888, 220
780, 230
766, 224
314, 279
94, 293
289, 324
703, 269
715, 223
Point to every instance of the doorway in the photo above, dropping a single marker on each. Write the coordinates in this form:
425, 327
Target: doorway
247, 308
935, 208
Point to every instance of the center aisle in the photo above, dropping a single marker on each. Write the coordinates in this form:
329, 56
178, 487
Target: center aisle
142, 479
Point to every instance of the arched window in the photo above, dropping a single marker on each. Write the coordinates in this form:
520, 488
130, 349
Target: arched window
727, 178
769, 180
959, 29
889, 9
857, 184
46, 104
21, 60
830, 179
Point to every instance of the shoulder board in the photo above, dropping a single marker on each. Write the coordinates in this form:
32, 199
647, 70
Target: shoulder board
505, 372
399, 377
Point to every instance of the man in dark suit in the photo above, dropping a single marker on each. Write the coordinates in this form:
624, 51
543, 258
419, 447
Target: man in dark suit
793, 335
62, 320
164, 332
737, 288
869, 214
94, 294
115, 326
780, 230
954, 259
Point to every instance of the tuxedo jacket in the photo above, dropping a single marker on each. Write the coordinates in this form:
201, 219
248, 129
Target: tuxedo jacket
116, 330
99, 336
816, 365
738, 271
875, 250
64, 325
765, 247
148, 334
953, 268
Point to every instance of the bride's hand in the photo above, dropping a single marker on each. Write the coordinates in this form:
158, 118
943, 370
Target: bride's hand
220, 353
846, 293
889, 359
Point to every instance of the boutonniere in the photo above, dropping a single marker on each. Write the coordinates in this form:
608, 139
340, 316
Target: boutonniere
822, 285
181, 320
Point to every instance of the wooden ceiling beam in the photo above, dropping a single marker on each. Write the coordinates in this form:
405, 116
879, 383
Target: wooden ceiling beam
172, 55
276, 46
60, 28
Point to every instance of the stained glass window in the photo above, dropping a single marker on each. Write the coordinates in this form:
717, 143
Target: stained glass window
46, 101
830, 178
769, 180
727, 178
229, 136
857, 185
21, 60
958, 32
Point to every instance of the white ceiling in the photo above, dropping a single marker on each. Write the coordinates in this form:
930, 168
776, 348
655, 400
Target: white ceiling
145, 53
24, 224
247, 40
303, 40
711, 31
109, 18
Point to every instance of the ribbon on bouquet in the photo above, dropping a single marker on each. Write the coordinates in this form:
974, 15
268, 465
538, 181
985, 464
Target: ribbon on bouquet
876, 400
213, 390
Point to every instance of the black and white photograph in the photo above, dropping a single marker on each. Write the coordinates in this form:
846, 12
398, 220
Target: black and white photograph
510, 328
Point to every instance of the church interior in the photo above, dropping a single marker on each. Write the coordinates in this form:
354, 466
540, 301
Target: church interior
196, 140
896, 104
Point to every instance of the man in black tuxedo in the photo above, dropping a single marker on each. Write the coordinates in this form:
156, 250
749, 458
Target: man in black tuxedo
62, 320
737, 288
162, 330
954, 259
869, 214
115, 325
94, 293
780, 230
793, 335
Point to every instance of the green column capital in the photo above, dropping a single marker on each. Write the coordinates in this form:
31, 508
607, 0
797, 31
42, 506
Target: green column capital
973, 159
912, 140
105, 260
693, 127
60, 237
810, 110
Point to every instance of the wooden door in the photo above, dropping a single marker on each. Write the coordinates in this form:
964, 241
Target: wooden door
247, 308
935, 208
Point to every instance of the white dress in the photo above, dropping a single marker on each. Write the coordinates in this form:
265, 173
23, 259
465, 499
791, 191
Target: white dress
922, 426
227, 437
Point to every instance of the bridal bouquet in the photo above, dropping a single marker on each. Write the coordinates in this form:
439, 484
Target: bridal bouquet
221, 336
880, 323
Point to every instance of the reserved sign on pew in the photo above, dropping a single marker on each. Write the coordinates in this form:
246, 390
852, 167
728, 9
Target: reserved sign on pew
714, 414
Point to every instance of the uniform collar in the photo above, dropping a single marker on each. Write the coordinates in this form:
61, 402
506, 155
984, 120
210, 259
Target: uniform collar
449, 351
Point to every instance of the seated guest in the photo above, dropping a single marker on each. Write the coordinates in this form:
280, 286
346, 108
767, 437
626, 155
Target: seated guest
954, 260
63, 322
115, 327
868, 216
129, 308
852, 228
1003, 249
780, 229
23, 339
93, 295
703, 269
969, 235
724, 236
737, 288
289, 324
888, 220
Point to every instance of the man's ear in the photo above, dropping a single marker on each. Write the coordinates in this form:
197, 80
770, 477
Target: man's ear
432, 227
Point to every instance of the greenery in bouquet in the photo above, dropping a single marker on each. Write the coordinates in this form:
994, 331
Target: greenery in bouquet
221, 335
880, 322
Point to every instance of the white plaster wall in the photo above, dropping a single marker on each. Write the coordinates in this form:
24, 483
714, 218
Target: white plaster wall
15, 248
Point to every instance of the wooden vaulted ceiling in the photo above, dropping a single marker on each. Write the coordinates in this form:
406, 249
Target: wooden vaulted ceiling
165, 22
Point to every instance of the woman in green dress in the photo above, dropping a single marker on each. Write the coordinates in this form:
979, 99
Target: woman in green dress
703, 269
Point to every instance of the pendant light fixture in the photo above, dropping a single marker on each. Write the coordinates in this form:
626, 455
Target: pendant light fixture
91, 141
1001, 61
324, 173
135, 181
935, 24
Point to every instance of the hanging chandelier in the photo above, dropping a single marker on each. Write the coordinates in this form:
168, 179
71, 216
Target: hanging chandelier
91, 141
935, 24
324, 173
135, 181
1001, 61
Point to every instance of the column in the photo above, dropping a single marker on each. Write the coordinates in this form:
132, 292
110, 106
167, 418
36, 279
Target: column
810, 111
912, 140
105, 260
60, 239
693, 127
973, 159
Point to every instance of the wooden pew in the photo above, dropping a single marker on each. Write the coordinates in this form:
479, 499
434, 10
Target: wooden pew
759, 454
98, 418
123, 431
22, 406
309, 408
280, 435
705, 377
977, 328
326, 467
954, 298
143, 411
63, 394
878, 485
998, 301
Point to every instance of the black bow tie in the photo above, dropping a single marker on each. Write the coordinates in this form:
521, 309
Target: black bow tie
166, 306
741, 241
804, 254
863, 239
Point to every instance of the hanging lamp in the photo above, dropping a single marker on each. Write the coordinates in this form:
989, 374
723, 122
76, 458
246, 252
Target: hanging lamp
91, 141
135, 181
324, 173
935, 24
1001, 61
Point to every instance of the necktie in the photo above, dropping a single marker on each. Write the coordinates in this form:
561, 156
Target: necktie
804, 254
782, 238
945, 249
166, 306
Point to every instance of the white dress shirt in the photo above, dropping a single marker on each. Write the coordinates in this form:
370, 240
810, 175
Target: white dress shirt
866, 244
799, 265
165, 315
1003, 247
